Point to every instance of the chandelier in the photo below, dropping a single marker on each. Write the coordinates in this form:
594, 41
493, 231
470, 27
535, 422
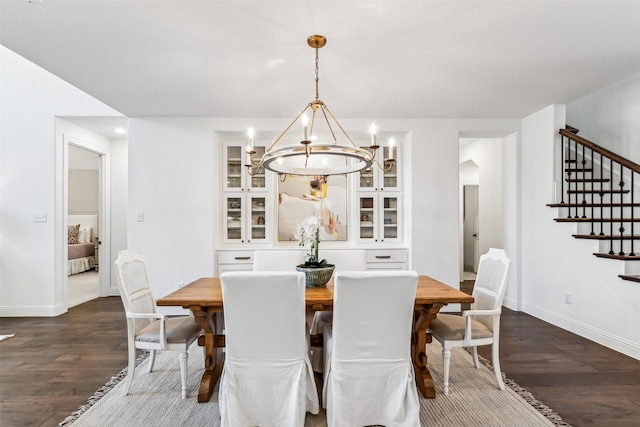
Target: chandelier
312, 157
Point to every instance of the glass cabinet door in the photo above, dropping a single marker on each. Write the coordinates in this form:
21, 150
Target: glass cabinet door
258, 181
390, 180
367, 218
236, 175
390, 216
377, 179
234, 218
257, 227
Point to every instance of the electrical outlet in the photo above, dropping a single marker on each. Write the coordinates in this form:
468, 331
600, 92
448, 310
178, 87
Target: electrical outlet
567, 298
140, 216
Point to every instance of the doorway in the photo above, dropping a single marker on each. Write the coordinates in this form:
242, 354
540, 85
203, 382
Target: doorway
85, 201
83, 210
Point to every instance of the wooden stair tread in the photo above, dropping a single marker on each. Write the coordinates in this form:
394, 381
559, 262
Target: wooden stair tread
578, 169
589, 205
605, 237
594, 191
632, 278
620, 257
587, 179
597, 219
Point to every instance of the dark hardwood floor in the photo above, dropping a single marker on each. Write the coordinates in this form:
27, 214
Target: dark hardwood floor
53, 365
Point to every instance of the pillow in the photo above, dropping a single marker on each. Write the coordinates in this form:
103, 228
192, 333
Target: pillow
82, 235
74, 231
87, 238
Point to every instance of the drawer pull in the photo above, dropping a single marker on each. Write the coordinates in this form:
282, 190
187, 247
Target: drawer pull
383, 256
242, 258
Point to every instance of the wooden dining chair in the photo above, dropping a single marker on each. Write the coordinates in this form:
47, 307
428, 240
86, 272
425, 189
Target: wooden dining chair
267, 378
481, 324
369, 375
147, 329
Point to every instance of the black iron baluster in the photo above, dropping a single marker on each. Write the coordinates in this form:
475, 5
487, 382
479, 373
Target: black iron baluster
575, 186
602, 196
584, 183
621, 229
593, 194
611, 208
632, 253
562, 163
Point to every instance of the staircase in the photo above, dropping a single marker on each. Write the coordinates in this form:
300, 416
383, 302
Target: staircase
598, 193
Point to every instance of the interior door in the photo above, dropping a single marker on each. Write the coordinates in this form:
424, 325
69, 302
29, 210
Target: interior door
471, 228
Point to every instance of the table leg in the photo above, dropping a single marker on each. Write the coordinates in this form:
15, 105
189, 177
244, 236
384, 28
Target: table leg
422, 319
211, 322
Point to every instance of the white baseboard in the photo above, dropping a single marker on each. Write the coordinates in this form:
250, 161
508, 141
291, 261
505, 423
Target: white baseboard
32, 310
619, 344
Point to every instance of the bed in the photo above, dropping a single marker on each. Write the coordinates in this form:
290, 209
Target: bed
82, 235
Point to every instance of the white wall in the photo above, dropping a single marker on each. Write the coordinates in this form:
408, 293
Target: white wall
610, 117
31, 97
604, 308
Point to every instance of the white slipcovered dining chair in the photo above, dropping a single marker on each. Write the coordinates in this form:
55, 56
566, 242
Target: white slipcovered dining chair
146, 329
481, 324
267, 378
369, 377
277, 260
344, 260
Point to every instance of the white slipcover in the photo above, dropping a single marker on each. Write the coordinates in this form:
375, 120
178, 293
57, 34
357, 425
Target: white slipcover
267, 378
344, 260
369, 377
277, 260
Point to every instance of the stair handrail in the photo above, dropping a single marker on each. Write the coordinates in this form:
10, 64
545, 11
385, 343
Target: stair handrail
600, 150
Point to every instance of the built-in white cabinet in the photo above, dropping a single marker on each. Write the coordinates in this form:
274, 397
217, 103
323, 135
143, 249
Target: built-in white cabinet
388, 259
377, 259
235, 174
246, 216
233, 261
379, 217
377, 179
246, 198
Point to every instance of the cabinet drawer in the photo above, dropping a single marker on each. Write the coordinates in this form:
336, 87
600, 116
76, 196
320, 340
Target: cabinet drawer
386, 256
387, 266
235, 257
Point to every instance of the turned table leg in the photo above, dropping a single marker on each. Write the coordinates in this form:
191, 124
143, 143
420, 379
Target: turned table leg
212, 341
422, 318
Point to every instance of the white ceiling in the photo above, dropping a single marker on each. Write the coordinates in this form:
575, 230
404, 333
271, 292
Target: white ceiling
383, 59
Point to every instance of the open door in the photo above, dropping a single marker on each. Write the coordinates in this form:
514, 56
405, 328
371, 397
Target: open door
471, 232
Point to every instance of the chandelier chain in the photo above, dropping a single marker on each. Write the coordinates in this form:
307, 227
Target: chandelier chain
317, 73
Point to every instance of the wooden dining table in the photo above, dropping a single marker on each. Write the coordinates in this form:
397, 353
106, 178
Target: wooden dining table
204, 298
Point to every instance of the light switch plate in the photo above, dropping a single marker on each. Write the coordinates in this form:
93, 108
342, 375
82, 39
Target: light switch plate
39, 217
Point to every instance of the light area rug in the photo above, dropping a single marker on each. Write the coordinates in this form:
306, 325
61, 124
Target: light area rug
474, 399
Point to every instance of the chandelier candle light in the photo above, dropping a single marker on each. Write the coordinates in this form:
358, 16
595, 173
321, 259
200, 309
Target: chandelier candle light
312, 158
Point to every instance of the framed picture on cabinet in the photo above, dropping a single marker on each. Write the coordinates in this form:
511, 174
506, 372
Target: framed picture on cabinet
300, 197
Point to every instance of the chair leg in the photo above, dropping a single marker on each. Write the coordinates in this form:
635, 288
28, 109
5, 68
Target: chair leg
446, 359
475, 357
184, 357
152, 360
495, 359
130, 370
